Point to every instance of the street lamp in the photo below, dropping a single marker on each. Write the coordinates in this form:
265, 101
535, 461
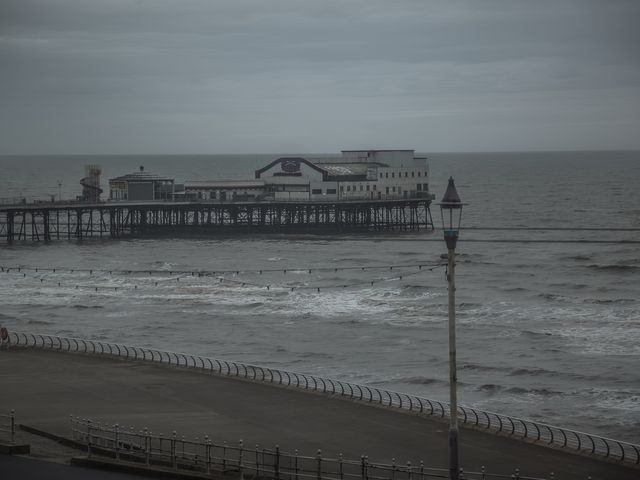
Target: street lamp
451, 226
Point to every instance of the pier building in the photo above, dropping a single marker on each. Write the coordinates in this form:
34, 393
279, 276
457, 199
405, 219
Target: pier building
220, 190
356, 175
141, 186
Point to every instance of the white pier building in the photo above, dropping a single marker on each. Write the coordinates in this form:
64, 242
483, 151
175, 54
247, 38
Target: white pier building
356, 175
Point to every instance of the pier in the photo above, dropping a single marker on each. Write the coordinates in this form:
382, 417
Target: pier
47, 222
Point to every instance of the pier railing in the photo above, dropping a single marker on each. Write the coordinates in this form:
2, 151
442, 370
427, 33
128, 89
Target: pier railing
517, 428
203, 455
8, 426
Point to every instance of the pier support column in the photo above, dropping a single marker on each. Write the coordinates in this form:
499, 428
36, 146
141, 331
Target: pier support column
10, 227
45, 225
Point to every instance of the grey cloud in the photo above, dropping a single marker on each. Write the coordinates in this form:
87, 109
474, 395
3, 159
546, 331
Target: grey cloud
238, 75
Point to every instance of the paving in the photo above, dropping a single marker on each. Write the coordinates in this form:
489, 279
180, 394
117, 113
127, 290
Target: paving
20, 468
46, 387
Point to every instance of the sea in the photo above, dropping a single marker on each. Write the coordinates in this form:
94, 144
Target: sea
547, 285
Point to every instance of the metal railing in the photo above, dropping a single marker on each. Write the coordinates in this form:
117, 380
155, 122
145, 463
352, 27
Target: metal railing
38, 201
517, 428
8, 425
203, 455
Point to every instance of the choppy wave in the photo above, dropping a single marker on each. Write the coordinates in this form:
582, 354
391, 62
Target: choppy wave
411, 381
543, 392
514, 289
415, 287
573, 286
493, 388
580, 258
553, 296
531, 333
606, 301
38, 322
627, 402
315, 355
469, 306
489, 388
481, 368
614, 267
531, 372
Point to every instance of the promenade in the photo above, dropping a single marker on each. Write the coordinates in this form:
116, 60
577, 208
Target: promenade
45, 387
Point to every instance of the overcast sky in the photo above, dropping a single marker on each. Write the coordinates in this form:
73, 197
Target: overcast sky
268, 76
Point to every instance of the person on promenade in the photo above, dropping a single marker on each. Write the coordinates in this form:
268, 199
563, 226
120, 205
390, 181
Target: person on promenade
4, 337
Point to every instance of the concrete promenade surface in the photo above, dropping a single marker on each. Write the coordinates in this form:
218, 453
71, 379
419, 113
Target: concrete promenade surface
14, 468
45, 387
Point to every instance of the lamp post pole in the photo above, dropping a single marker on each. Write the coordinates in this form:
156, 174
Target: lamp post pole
451, 226
454, 466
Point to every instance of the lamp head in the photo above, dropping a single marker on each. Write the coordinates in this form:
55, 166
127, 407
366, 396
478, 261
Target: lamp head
451, 223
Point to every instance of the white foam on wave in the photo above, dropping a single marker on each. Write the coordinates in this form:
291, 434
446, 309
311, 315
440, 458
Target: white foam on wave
607, 337
332, 303
629, 404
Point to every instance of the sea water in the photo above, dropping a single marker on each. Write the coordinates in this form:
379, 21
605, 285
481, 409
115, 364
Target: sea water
548, 321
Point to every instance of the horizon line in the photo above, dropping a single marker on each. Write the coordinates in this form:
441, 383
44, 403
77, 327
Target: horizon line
446, 152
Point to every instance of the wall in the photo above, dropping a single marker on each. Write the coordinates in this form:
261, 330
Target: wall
141, 191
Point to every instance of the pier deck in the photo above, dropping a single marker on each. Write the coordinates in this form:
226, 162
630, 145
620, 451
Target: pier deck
45, 387
46, 222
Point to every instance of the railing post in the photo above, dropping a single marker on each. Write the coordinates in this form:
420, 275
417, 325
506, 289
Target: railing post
208, 452
393, 469
105, 439
366, 467
277, 463
88, 438
224, 456
174, 461
340, 467
422, 470
240, 469
257, 461
319, 465
115, 429
211, 452
295, 462
408, 470
13, 425
362, 473
132, 436
147, 446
